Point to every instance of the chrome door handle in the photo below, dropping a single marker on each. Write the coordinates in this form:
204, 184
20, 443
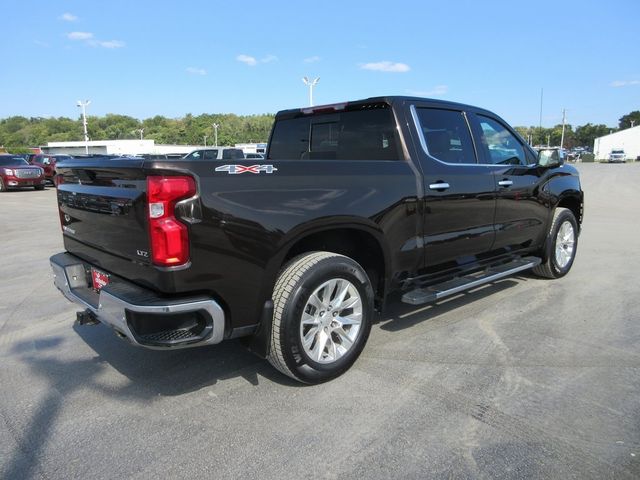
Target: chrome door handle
505, 183
439, 186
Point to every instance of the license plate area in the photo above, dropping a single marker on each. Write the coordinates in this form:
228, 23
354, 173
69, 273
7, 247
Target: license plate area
99, 279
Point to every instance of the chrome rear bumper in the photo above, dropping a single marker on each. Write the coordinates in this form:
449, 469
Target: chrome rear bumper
117, 302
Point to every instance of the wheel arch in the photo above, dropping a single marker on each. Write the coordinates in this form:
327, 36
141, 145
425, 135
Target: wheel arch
362, 242
373, 255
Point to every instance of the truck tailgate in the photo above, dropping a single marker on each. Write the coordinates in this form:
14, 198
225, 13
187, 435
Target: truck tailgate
103, 205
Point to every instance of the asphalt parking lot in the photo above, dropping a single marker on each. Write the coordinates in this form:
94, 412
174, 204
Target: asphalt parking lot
524, 378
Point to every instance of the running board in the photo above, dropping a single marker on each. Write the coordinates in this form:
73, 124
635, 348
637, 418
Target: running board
459, 284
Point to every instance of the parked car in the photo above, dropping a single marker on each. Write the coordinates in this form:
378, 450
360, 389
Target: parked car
617, 155
297, 253
48, 163
217, 153
15, 172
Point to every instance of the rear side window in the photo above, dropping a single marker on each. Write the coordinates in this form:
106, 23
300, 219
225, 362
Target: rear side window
290, 139
366, 134
500, 146
210, 155
232, 153
447, 135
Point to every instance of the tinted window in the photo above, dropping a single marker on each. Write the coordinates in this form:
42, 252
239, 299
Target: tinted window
447, 135
367, 134
210, 154
499, 144
232, 153
11, 161
290, 139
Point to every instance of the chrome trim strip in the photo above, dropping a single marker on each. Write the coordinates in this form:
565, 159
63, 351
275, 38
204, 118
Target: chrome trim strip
423, 142
112, 310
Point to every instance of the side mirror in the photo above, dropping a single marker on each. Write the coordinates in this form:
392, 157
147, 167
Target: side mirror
550, 157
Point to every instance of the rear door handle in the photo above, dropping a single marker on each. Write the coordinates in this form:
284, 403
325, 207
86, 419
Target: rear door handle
439, 186
505, 183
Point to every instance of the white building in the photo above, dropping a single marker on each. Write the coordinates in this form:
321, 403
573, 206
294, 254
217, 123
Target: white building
628, 140
116, 147
252, 147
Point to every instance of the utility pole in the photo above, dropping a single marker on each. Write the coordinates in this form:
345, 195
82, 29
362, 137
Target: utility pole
140, 131
205, 140
540, 122
215, 132
83, 105
564, 118
310, 84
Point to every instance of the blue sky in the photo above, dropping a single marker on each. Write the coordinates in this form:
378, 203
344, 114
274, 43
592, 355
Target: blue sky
146, 58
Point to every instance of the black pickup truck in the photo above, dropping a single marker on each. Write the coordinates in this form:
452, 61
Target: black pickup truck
298, 252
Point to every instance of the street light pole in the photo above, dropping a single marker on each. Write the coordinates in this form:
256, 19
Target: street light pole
83, 105
205, 140
564, 118
140, 131
310, 84
215, 132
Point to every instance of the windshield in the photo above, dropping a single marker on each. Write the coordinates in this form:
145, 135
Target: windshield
12, 162
617, 152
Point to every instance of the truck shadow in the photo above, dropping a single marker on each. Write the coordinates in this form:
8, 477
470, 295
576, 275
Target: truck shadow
153, 374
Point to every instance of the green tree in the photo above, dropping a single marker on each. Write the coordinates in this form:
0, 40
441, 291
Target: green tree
586, 134
629, 120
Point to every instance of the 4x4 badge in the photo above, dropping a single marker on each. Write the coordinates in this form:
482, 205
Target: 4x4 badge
237, 169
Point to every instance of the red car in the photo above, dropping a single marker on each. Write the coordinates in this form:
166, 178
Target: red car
47, 163
15, 172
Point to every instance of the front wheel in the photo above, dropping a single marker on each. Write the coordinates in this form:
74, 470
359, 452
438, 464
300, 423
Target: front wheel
561, 245
323, 311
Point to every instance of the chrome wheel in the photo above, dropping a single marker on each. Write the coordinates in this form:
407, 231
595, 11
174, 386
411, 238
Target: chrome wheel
331, 320
565, 244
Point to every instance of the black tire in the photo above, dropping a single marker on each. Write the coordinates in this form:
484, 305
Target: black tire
550, 268
39, 187
298, 280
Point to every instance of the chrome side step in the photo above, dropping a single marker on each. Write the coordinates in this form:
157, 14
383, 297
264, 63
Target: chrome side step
459, 284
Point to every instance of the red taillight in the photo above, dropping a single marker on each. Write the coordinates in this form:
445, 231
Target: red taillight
169, 236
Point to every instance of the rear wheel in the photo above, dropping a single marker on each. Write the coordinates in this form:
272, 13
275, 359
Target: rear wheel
323, 309
39, 187
561, 245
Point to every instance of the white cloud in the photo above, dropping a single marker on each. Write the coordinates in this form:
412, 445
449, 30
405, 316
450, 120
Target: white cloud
269, 59
87, 37
624, 83
196, 71
68, 17
313, 59
41, 44
386, 66
108, 44
435, 91
80, 35
249, 60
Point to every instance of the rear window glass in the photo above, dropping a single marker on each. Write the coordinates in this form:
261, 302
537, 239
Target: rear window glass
367, 134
